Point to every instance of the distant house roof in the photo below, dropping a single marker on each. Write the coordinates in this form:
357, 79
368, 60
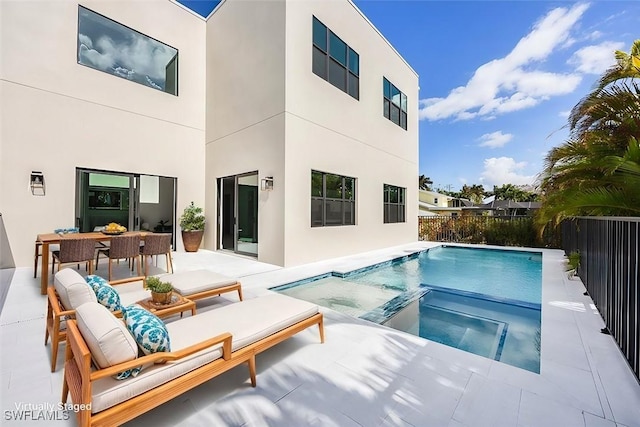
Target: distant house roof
510, 204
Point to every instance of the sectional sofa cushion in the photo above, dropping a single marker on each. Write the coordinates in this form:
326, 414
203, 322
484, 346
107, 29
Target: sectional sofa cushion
106, 336
248, 322
194, 281
72, 289
147, 329
105, 293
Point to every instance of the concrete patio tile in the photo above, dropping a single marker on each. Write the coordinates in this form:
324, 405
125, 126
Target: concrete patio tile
622, 390
457, 359
564, 384
563, 344
427, 399
539, 411
488, 403
591, 420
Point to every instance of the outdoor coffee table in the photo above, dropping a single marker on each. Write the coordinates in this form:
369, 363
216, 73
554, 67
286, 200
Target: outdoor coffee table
179, 304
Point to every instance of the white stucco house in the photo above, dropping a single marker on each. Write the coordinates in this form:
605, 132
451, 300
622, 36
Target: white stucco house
293, 123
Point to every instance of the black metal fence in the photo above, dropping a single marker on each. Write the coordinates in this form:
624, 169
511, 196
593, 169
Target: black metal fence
609, 249
491, 230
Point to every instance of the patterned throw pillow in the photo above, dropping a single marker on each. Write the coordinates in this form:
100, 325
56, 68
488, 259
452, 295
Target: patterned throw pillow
148, 330
105, 293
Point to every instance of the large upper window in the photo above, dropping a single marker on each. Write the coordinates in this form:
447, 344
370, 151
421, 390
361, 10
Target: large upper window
394, 104
111, 47
394, 203
334, 60
333, 199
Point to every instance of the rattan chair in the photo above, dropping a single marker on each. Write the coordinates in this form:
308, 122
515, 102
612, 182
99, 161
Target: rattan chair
74, 251
122, 247
157, 244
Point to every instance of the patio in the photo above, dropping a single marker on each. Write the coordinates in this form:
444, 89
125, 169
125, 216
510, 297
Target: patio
365, 374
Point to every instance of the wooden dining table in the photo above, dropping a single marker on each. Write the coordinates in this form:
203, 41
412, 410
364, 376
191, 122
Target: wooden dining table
48, 239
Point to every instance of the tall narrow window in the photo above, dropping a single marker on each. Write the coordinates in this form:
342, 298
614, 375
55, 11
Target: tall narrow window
334, 60
333, 199
394, 104
394, 203
106, 45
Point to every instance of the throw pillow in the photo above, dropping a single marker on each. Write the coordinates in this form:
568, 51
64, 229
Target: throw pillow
105, 293
106, 336
148, 330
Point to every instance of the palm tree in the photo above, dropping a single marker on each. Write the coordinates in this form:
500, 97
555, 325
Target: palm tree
424, 183
595, 171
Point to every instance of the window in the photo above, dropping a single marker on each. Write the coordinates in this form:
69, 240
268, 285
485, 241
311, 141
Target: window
333, 199
394, 204
111, 47
335, 61
435, 200
394, 104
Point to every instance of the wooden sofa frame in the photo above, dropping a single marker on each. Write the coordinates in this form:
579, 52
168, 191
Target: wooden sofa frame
56, 314
79, 376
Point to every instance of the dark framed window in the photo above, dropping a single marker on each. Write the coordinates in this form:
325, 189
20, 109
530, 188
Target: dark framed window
106, 45
394, 203
394, 104
333, 199
334, 60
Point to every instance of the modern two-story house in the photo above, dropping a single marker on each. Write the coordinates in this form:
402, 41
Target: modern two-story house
293, 123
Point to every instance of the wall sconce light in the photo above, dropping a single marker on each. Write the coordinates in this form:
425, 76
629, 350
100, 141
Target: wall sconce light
36, 182
266, 183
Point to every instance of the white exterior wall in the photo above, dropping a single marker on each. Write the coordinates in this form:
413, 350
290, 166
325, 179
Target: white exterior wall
58, 115
329, 131
245, 111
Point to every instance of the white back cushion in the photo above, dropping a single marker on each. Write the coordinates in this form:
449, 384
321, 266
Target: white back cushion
73, 289
106, 336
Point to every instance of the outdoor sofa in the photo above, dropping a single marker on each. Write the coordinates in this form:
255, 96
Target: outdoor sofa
202, 347
70, 291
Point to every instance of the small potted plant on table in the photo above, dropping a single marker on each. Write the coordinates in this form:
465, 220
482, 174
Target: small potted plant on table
192, 225
160, 291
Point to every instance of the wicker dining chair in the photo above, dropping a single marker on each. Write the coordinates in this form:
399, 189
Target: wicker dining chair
157, 244
74, 251
120, 247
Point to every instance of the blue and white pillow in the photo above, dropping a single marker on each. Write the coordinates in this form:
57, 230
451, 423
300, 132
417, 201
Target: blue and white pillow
105, 293
147, 329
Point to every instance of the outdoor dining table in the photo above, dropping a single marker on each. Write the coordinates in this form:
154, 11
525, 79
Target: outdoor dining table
48, 239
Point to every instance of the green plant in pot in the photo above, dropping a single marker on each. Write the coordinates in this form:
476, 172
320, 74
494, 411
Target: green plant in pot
573, 264
192, 225
160, 291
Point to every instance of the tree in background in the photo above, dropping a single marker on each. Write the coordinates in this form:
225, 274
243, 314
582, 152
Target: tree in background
597, 170
515, 193
424, 183
474, 192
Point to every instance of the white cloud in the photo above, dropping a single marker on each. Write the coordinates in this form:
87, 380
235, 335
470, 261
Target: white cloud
564, 114
495, 139
595, 59
462, 180
510, 84
504, 170
595, 35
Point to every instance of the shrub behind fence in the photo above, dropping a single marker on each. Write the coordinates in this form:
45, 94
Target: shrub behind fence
490, 230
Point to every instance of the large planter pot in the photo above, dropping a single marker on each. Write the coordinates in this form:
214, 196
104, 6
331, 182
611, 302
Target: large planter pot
191, 240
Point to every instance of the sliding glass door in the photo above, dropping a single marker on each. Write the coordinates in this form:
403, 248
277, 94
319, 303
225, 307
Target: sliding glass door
139, 202
238, 213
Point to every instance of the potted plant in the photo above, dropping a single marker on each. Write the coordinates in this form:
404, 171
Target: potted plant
192, 225
573, 264
160, 291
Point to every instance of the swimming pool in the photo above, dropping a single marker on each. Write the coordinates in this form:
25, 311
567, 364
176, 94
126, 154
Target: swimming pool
485, 301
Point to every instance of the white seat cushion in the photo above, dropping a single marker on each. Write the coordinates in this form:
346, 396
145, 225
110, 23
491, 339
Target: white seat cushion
276, 313
191, 282
72, 289
106, 336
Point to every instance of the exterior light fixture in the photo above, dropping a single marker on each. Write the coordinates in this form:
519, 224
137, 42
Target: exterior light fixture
266, 183
36, 182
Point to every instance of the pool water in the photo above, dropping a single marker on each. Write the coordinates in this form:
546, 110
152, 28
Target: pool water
484, 301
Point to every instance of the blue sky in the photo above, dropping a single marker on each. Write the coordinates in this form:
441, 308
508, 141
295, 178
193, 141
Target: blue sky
498, 78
